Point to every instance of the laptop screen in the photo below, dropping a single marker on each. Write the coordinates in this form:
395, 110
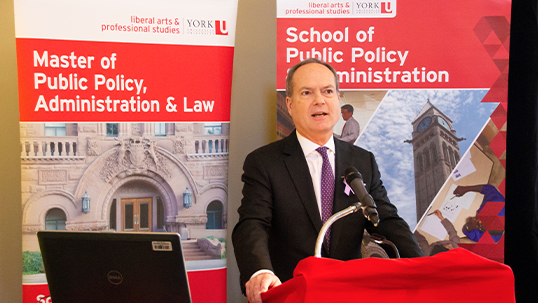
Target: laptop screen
114, 267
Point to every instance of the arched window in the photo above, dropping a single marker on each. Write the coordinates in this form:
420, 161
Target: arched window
419, 162
433, 150
214, 215
456, 156
451, 155
445, 153
55, 219
426, 158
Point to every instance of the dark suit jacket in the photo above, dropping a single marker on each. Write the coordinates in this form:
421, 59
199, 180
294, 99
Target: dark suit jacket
279, 220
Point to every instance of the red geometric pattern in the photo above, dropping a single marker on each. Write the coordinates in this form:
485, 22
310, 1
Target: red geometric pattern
499, 116
493, 222
486, 247
494, 34
491, 209
498, 144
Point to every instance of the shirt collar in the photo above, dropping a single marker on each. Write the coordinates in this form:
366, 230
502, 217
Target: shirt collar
308, 146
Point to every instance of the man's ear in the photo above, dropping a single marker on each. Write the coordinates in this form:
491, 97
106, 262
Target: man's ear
288, 104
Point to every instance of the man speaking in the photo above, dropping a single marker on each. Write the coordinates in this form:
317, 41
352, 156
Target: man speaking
351, 129
294, 185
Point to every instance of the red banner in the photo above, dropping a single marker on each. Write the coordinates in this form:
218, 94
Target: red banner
198, 280
128, 104
427, 83
423, 46
89, 81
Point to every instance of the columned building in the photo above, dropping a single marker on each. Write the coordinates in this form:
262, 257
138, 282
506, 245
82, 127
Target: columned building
435, 152
124, 177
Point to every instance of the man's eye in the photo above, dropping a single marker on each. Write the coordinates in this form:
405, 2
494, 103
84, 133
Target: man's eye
305, 93
329, 91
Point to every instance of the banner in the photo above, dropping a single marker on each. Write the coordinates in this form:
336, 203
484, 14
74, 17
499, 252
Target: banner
427, 83
125, 111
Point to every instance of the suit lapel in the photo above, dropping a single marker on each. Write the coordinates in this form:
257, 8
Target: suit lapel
298, 169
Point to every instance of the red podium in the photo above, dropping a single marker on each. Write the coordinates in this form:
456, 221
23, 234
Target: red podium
454, 276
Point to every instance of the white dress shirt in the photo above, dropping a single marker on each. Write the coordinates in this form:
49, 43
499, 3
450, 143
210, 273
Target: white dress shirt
315, 162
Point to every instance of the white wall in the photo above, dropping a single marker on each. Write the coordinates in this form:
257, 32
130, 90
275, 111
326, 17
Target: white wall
253, 113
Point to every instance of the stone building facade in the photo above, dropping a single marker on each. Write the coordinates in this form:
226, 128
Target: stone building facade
151, 177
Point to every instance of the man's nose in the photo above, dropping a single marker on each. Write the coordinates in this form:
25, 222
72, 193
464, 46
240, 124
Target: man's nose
319, 99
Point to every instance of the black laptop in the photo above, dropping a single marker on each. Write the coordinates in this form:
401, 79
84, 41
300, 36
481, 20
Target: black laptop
86, 267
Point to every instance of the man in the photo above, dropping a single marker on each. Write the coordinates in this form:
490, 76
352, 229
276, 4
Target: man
351, 129
473, 227
281, 211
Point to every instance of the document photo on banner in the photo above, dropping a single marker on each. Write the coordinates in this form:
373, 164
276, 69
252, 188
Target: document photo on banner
472, 204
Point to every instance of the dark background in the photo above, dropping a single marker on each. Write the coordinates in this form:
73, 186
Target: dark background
521, 246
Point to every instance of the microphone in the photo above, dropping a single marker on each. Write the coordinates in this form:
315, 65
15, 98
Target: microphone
366, 202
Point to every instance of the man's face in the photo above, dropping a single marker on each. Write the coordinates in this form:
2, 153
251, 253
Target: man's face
345, 114
314, 104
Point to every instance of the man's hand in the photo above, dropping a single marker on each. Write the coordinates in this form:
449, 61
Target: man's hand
439, 214
258, 284
462, 190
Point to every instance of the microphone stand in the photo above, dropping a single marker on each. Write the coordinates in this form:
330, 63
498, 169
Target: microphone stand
319, 242
347, 211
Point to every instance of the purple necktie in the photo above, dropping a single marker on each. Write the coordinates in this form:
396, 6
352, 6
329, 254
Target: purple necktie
327, 190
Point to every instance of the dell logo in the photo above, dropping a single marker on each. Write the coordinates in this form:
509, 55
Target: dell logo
115, 277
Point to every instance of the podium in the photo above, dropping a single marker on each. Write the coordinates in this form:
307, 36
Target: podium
457, 275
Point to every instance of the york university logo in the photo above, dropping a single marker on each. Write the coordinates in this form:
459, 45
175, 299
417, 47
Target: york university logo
375, 8
220, 28
206, 27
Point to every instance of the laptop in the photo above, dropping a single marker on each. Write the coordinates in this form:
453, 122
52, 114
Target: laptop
86, 267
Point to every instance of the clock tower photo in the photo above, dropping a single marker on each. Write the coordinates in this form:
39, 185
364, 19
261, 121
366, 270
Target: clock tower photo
435, 152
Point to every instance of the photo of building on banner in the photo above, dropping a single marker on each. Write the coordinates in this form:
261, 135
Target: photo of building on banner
125, 124
423, 85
